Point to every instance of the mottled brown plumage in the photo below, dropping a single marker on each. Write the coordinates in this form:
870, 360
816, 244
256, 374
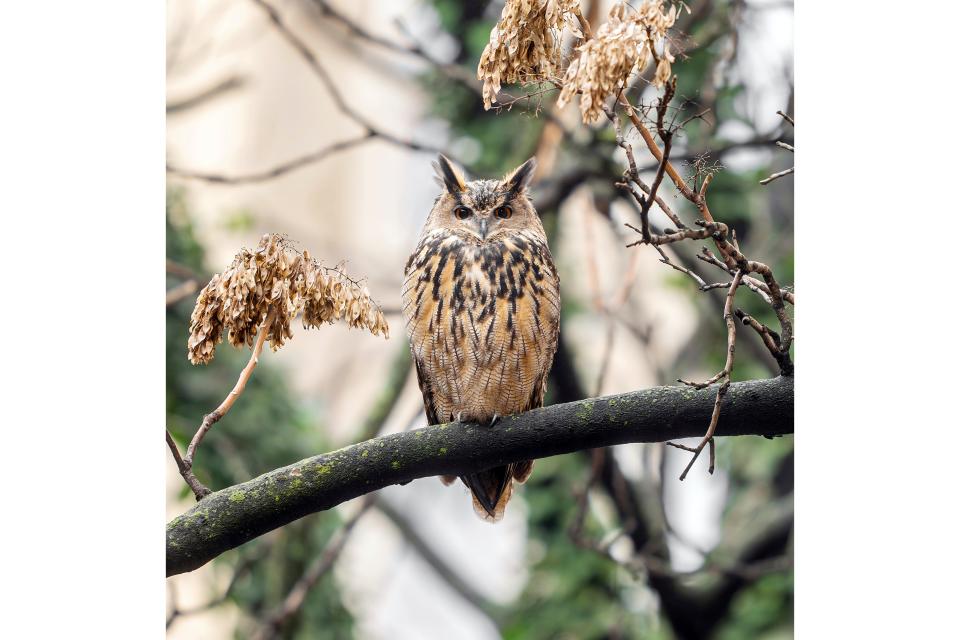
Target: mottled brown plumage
481, 302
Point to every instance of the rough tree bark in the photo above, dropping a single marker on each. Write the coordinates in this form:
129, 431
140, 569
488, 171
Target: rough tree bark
237, 514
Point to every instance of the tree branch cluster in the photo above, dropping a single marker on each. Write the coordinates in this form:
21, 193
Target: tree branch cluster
731, 260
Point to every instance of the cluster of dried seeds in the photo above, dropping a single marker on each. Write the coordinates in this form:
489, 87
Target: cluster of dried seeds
625, 43
275, 281
524, 47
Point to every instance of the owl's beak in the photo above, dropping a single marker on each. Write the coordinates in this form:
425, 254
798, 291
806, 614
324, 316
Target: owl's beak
483, 228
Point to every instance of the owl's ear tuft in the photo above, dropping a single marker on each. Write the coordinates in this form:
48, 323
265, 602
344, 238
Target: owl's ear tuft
449, 175
519, 179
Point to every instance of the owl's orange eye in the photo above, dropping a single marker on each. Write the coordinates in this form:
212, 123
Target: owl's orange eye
462, 213
504, 212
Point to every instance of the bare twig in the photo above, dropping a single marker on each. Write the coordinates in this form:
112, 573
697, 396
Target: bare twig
199, 490
181, 291
782, 145
213, 417
320, 71
785, 117
723, 375
703, 286
185, 104
273, 172
753, 284
770, 340
696, 116
183, 271
671, 171
774, 176
652, 193
706, 230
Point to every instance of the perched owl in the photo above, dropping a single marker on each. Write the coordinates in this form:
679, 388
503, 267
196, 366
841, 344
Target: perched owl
481, 302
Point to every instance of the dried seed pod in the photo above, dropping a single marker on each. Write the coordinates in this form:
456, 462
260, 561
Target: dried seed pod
275, 277
524, 47
624, 44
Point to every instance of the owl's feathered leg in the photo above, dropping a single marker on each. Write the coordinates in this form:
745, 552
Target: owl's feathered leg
522, 470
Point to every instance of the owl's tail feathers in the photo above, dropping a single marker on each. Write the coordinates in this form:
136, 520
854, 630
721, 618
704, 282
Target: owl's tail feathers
521, 471
492, 488
491, 491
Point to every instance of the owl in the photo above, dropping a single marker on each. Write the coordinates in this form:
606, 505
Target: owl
481, 303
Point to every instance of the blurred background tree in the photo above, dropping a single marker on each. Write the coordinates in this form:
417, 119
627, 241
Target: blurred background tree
610, 544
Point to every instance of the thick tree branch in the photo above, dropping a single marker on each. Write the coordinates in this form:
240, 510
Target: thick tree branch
235, 515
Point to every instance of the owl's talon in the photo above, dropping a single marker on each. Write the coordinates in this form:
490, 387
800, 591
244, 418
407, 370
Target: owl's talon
460, 416
493, 421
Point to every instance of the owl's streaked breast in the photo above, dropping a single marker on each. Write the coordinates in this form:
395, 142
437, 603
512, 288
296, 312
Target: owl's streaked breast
483, 322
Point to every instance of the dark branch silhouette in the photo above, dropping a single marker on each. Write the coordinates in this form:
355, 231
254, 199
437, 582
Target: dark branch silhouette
237, 514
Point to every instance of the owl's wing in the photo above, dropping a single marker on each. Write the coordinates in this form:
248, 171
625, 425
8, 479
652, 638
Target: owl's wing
428, 403
521, 470
429, 406
551, 289
418, 312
